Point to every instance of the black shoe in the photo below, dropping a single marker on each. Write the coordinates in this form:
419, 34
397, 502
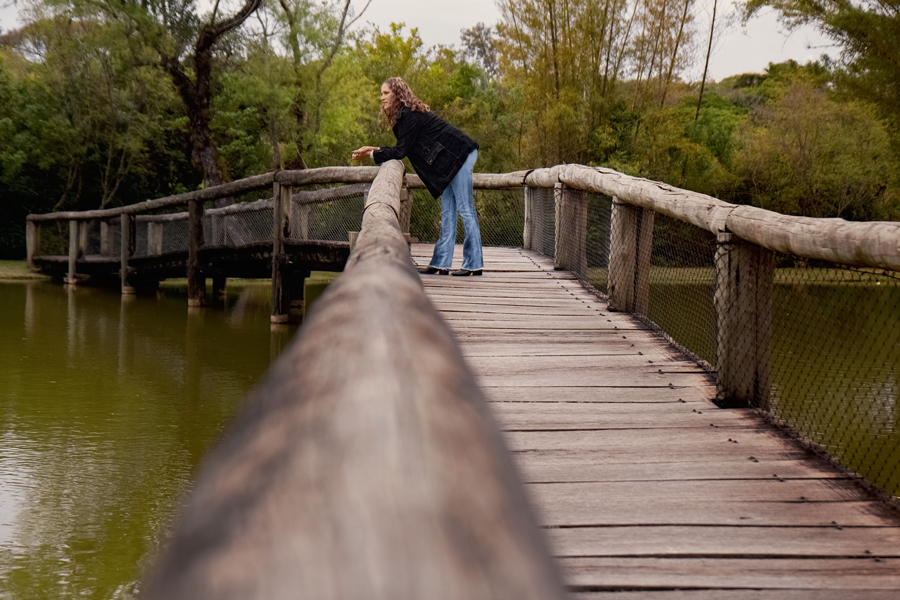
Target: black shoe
434, 271
465, 272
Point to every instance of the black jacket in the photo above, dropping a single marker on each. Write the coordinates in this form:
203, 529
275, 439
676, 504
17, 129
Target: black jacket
436, 149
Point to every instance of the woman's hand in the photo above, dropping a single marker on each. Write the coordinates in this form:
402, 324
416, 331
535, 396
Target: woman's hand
364, 152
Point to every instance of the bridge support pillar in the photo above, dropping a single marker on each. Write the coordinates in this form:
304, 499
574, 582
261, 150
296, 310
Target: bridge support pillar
218, 284
743, 302
195, 277
281, 222
32, 242
296, 284
74, 242
630, 243
127, 250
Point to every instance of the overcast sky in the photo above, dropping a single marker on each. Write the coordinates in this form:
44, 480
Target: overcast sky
740, 50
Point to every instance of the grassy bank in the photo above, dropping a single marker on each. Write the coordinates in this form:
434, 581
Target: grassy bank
17, 270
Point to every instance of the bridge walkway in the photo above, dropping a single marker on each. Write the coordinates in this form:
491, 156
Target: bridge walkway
645, 488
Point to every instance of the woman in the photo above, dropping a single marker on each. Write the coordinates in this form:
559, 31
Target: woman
444, 157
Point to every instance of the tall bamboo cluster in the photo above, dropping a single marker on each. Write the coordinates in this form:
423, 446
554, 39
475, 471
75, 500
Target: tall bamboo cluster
578, 61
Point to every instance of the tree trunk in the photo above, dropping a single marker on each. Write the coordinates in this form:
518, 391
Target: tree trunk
196, 94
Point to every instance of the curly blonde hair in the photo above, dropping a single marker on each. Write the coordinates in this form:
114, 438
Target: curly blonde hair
402, 96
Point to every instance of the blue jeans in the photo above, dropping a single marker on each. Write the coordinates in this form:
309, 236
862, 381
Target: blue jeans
458, 198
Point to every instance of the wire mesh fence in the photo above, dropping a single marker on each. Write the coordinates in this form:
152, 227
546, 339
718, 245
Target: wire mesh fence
501, 217
330, 221
586, 217
543, 215
682, 285
835, 362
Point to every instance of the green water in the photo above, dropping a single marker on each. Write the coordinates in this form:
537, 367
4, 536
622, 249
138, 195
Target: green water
107, 405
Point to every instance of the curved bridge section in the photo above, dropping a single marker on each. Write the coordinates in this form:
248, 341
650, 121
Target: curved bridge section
701, 399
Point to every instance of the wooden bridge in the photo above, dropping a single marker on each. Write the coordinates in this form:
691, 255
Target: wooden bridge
519, 435
641, 482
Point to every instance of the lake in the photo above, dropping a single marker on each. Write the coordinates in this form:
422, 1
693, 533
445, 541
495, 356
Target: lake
107, 406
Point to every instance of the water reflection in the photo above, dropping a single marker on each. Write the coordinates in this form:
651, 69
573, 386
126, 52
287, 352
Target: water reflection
107, 404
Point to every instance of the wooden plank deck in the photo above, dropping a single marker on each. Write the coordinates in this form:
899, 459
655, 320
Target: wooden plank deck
646, 489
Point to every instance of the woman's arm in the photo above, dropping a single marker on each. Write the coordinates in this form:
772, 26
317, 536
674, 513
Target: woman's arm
407, 130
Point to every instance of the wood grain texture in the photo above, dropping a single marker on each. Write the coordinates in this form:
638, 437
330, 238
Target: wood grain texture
745, 542
32, 243
822, 573
646, 487
701, 210
539, 468
249, 184
871, 244
737, 594
367, 464
480, 181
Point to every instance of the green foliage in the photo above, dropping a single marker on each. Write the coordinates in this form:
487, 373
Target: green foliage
90, 118
807, 154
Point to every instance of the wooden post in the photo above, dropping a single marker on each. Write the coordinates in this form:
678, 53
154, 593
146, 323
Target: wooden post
538, 220
195, 277
622, 255
406, 201
281, 223
217, 235
352, 236
126, 251
32, 243
571, 230
297, 289
155, 238
630, 245
73, 251
83, 229
105, 239
559, 248
642, 262
303, 222
743, 302
528, 233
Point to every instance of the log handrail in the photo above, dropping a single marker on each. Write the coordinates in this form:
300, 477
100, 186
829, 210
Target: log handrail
300, 198
367, 464
874, 244
321, 176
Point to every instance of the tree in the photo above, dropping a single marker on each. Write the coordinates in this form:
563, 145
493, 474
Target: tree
803, 153
315, 34
184, 42
104, 112
480, 46
868, 32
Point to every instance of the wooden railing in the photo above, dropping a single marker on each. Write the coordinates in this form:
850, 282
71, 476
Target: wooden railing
284, 222
747, 238
366, 464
